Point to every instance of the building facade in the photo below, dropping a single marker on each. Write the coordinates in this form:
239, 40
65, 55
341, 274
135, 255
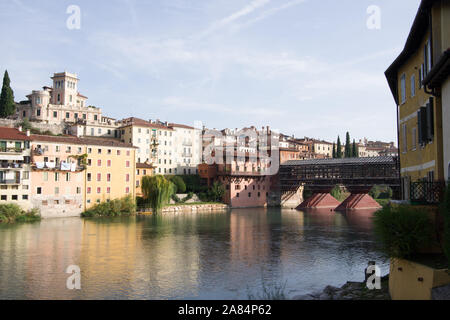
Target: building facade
15, 169
61, 103
420, 120
187, 149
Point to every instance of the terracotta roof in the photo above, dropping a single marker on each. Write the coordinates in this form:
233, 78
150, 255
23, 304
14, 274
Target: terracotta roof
144, 166
13, 134
95, 141
80, 95
180, 126
142, 123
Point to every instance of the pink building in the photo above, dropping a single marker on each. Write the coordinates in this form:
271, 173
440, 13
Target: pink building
57, 175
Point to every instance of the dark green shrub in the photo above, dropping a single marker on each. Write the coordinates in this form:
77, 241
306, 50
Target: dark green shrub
13, 213
117, 207
175, 198
445, 212
179, 184
403, 230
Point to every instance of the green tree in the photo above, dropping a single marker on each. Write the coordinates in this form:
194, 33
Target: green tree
179, 184
7, 105
339, 148
217, 191
157, 191
355, 153
334, 150
348, 147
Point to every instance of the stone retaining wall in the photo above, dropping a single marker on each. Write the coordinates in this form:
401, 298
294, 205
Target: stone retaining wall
193, 208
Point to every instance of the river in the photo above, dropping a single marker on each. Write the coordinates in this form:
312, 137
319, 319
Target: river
225, 255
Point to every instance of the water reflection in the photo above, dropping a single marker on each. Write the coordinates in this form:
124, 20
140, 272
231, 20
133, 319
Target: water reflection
190, 256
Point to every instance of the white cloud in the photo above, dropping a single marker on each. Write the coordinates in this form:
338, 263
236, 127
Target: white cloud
248, 9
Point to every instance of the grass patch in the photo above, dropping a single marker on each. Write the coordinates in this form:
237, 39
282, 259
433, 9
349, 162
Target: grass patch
10, 213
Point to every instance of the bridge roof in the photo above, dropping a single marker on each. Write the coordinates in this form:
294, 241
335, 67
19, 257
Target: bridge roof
344, 161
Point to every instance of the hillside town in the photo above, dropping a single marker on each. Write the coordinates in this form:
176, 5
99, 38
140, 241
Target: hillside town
151, 208
104, 158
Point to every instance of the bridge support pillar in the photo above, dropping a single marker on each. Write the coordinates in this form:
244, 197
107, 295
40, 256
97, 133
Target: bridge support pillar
320, 200
357, 201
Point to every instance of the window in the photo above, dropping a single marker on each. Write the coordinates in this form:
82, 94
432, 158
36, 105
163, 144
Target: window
78, 190
67, 115
4, 197
99, 151
89, 190
118, 152
68, 176
108, 190
413, 85
127, 164
25, 197
127, 190
108, 163
108, 177
127, 177
99, 177
249, 194
403, 88
45, 176
99, 190
99, 163
56, 176
26, 175
56, 190
14, 197
414, 139
89, 150
55, 114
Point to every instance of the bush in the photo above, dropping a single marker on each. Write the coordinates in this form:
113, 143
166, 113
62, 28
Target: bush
13, 213
117, 207
403, 230
445, 212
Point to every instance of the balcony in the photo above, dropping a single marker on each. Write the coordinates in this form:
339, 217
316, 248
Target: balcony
11, 150
11, 166
187, 155
10, 181
187, 143
52, 166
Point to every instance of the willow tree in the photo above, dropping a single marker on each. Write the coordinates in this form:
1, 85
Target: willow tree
157, 191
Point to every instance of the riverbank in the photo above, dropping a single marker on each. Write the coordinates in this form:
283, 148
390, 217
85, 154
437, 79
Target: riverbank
189, 208
351, 291
11, 213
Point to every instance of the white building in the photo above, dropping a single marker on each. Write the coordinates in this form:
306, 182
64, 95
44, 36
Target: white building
15, 159
186, 149
61, 103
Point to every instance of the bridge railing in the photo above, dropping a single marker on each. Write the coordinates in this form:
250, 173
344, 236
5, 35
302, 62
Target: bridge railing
427, 192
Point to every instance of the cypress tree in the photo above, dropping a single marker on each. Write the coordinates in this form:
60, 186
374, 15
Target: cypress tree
348, 150
339, 148
355, 153
7, 105
334, 150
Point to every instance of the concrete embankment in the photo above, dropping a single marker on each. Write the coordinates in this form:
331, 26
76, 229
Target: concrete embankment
190, 209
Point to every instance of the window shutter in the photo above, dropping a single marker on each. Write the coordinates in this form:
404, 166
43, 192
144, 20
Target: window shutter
423, 121
419, 126
430, 119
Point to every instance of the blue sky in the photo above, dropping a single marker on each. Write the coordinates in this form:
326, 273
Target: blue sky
305, 67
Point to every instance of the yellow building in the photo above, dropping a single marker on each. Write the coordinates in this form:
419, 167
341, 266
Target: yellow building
111, 170
142, 170
419, 110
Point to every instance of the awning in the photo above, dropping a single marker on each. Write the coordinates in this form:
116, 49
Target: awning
11, 157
